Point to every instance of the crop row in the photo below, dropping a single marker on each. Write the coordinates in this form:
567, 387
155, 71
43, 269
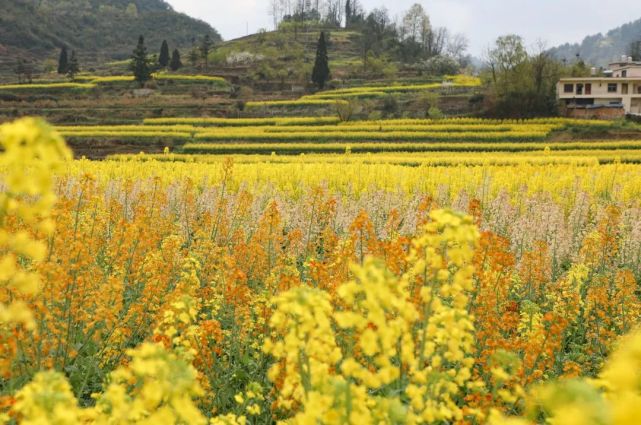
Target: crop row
365, 128
298, 148
243, 122
332, 120
354, 137
361, 136
129, 78
185, 77
445, 158
429, 127
127, 128
486, 121
354, 95
47, 86
123, 135
295, 103
90, 81
399, 88
374, 91
463, 80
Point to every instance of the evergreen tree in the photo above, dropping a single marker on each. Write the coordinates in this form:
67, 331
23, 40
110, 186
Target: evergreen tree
140, 64
205, 47
348, 13
634, 50
163, 59
175, 63
193, 57
320, 74
73, 67
20, 69
63, 61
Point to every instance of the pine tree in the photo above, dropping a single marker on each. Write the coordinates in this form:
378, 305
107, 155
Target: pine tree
348, 13
163, 59
175, 63
20, 68
63, 61
320, 74
205, 47
140, 64
73, 67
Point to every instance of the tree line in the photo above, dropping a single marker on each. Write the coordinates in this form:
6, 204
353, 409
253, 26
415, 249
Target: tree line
412, 39
521, 82
142, 64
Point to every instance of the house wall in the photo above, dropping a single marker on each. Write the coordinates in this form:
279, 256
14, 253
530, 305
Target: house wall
599, 88
632, 71
596, 113
601, 96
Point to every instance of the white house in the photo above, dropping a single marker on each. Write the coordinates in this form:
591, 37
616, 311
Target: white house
617, 93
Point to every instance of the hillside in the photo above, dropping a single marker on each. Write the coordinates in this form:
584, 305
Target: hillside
286, 56
97, 29
600, 49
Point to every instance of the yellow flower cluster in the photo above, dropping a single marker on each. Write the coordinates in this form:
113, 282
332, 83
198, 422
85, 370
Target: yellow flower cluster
156, 387
441, 275
251, 398
177, 326
412, 334
31, 150
613, 399
376, 308
48, 399
463, 80
303, 345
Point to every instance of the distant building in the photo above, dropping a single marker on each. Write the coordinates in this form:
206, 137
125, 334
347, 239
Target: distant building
616, 93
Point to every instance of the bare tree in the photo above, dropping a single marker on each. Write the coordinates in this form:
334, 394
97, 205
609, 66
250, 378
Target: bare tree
544, 67
457, 45
506, 55
274, 11
415, 24
434, 41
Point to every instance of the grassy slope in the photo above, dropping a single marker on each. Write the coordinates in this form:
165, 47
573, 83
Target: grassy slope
290, 55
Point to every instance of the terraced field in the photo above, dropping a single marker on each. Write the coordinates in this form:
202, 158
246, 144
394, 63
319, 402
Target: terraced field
418, 141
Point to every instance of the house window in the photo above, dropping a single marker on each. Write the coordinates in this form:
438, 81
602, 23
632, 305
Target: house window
568, 88
624, 73
579, 89
624, 88
612, 87
588, 88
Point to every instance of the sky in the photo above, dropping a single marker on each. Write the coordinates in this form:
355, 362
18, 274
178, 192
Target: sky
552, 21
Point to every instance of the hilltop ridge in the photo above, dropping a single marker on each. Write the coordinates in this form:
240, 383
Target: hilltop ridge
601, 49
96, 29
